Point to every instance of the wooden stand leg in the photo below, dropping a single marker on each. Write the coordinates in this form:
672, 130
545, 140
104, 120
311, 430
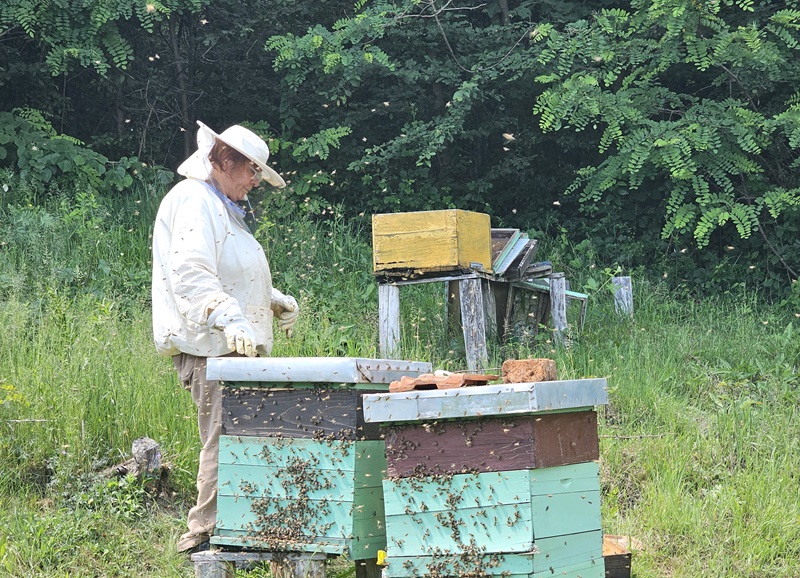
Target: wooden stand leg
389, 320
214, 569
222, 564
473, 321
368, 568
558, 306
300, 568
623, 295
490, 310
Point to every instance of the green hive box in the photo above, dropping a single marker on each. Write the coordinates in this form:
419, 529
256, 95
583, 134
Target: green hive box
494, 512
481, 514
301, 495
299, 469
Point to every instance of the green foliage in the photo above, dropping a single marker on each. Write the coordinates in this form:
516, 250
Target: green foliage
445, 150
29, 144
691, 95
87, 33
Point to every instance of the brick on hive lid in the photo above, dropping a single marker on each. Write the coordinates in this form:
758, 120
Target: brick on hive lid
529, 370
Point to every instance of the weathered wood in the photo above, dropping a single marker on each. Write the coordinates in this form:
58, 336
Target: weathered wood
301, 495
493, 512
214, 569
328, 370
520, 266
222, 564
501, 265
299, 413
299, 568
492, 444
485, 400
368, 568
389, 320
442, 240
473, 322
489, 310
503, 241
623, 295
558, 307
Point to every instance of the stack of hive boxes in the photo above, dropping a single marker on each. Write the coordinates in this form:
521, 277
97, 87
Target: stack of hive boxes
492, 480
299, 469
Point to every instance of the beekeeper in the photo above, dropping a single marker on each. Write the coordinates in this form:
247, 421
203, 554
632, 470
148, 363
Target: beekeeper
212, 289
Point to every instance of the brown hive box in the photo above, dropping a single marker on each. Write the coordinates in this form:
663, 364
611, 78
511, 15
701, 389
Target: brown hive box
431, 241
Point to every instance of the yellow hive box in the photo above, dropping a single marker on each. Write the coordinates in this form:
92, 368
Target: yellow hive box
430, 241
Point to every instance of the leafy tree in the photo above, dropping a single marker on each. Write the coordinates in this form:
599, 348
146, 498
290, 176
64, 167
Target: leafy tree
694, 109
428, 90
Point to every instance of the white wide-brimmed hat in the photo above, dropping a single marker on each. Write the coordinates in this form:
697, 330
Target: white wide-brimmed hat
243, 140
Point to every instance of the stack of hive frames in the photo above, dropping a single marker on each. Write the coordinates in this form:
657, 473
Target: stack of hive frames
492, 480
299, 469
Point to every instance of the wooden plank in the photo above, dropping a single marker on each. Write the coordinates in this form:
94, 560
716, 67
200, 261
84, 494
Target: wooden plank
473, 321
359, 457
558, 307
389, 320
492, 444
250, 540
558, 556
301, 413
503, 241
520, 266
486, 400
312, 369
623, 295
516, 250
489, 310
222, 564
494, 512
357, 548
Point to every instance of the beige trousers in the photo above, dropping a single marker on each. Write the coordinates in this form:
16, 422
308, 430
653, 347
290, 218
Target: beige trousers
207, 397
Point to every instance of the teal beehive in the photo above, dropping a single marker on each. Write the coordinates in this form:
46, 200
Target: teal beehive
299, 469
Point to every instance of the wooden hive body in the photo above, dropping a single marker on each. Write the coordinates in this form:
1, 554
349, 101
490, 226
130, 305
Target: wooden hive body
492, 444
299, 468
431, 241
492, 480
495, 512
301, 495
299, 412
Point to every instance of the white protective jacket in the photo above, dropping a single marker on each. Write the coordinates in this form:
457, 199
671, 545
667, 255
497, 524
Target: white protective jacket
203, 257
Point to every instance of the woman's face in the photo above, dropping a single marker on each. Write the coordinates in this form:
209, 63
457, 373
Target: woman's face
237, 179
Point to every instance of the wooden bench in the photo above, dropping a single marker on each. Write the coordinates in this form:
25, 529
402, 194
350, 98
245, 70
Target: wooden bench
482, 305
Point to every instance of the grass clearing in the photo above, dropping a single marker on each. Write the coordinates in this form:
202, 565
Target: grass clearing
700, 445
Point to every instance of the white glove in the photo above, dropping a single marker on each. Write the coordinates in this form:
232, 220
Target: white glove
286, 309
238, 331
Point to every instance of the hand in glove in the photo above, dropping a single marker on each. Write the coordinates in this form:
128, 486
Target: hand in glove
238, 331
286, 310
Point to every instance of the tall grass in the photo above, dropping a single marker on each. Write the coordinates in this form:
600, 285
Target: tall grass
700, 443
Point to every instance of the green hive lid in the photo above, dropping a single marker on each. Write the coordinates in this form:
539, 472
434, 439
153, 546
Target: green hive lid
485, 400
313, 369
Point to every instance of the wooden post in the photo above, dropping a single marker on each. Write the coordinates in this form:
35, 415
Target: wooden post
297, 568
473, 321
214, 568
623, 296
389, 320
490, 310
368, 568
558, 306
